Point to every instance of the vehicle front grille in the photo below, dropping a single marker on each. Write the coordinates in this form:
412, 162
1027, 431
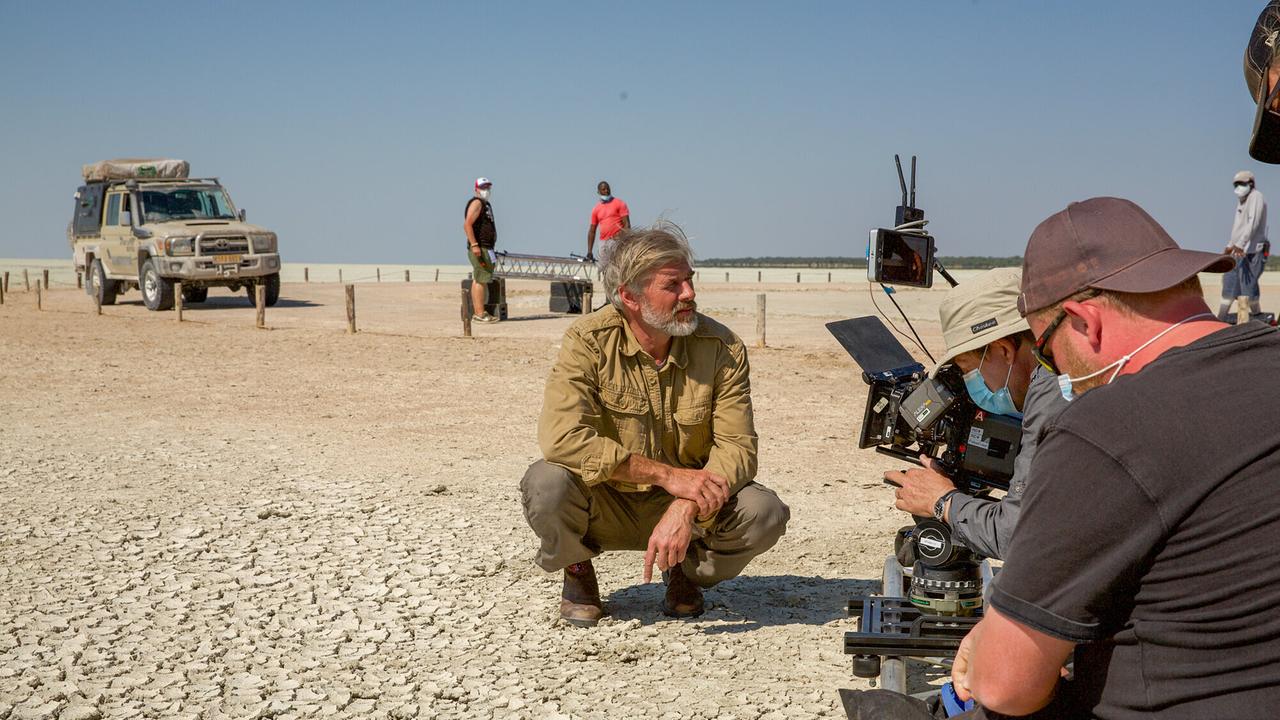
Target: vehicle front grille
223, 245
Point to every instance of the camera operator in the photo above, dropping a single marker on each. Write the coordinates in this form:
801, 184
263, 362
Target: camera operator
992, 344
1146, 537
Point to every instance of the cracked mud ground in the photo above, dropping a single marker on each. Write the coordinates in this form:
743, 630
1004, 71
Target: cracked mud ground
207, 520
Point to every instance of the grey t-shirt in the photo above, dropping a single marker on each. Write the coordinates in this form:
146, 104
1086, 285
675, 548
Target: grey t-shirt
985, 525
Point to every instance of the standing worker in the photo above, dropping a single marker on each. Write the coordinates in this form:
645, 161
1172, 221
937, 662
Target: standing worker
610, 215
1248, 246
482, 238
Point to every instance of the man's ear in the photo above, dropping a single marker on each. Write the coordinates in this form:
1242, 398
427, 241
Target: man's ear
1003, 348
1086, 320
629, 299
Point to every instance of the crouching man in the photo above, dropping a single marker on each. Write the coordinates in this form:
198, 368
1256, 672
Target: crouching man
648, 439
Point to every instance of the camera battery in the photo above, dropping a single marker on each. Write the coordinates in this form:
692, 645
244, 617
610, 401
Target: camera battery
927, 404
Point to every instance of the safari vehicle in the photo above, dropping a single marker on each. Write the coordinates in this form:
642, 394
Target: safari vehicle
144, 223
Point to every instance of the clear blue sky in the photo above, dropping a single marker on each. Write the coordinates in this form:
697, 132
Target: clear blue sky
355, 130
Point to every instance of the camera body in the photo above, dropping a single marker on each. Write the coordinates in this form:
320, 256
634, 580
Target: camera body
909, 413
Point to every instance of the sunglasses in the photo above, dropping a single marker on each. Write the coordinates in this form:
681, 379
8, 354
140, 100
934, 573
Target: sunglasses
1039, 350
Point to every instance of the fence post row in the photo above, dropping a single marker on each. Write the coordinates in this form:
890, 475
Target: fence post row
466, 313
760, 302
351, 308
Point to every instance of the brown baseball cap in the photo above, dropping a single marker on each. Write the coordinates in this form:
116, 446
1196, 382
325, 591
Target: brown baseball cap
1106, 243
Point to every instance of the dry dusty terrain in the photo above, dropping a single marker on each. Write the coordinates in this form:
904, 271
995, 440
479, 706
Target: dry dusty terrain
210, 520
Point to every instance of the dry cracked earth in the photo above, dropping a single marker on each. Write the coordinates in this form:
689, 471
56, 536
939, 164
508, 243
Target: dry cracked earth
207, 520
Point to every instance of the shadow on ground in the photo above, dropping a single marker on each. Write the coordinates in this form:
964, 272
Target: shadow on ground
751, 602
540, 316
230, 301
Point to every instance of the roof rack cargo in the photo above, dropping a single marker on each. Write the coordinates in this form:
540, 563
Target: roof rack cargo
136, 168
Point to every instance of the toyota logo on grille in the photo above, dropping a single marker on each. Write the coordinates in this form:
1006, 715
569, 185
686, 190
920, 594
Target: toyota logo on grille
221, 244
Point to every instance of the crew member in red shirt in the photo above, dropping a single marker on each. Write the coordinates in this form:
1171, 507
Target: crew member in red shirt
610, 215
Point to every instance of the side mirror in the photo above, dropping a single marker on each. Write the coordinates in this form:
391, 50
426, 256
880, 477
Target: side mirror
126, 218
242, 215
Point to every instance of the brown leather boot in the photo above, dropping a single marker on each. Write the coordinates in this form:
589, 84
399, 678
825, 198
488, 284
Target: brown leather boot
580, 599
684, 598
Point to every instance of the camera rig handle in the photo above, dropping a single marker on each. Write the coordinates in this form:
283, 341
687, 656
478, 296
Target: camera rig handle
943, 272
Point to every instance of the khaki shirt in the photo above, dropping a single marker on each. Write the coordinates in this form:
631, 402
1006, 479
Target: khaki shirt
606, 399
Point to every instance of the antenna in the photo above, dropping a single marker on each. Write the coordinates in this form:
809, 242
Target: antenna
902, 180
907, 212
913, 181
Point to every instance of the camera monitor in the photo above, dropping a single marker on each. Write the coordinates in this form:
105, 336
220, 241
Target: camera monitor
898, 258
874, 348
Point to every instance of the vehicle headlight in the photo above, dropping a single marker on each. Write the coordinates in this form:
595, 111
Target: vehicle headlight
179, 245
265, 243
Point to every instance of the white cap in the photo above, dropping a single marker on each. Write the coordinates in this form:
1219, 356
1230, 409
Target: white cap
1243, 176
482, 181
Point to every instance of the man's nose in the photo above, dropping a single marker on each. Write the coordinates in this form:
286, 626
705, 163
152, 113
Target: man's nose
687, 292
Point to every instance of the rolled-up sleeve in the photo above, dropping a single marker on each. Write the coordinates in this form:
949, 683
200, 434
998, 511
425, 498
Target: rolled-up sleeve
569, 427
734, 441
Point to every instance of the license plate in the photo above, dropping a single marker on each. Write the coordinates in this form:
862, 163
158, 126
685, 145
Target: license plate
226, 259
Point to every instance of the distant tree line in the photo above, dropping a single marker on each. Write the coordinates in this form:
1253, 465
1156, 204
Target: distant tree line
957, 262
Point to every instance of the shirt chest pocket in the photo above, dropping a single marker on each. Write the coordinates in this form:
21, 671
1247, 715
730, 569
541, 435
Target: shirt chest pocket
693, 433
626, 413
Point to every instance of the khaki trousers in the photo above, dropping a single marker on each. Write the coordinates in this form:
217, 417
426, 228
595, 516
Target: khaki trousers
577, 523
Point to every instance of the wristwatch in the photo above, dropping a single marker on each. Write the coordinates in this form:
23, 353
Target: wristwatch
940, 506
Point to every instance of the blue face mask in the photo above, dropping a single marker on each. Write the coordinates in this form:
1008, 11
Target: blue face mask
999, 402
606, 198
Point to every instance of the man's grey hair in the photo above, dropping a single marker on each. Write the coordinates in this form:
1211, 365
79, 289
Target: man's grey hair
637, 253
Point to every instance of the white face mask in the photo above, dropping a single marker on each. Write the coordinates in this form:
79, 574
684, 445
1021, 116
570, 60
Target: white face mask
483, 194
1242, 190
1066, 382
606, 198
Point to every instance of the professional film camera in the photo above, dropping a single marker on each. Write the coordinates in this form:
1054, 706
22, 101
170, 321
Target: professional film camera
910, 413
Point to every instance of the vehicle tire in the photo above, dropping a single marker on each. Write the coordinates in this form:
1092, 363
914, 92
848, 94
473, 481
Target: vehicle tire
272, 284
157, 292
195, 294
102, 287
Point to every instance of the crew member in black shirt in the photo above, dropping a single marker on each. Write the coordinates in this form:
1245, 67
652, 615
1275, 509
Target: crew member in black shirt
1146, 540
482, 238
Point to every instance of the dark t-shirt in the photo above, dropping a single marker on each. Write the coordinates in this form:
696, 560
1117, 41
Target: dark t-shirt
484, 228
1150, 533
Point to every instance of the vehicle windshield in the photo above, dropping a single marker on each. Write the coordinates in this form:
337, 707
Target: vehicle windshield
186, 203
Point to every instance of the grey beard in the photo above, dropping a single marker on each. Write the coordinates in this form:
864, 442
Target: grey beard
670, 325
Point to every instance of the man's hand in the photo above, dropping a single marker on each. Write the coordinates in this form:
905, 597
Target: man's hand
960, 669
670, 538
920, 488
475, 250
706, 489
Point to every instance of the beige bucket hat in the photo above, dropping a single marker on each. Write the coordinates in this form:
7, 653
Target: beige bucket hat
980, 311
